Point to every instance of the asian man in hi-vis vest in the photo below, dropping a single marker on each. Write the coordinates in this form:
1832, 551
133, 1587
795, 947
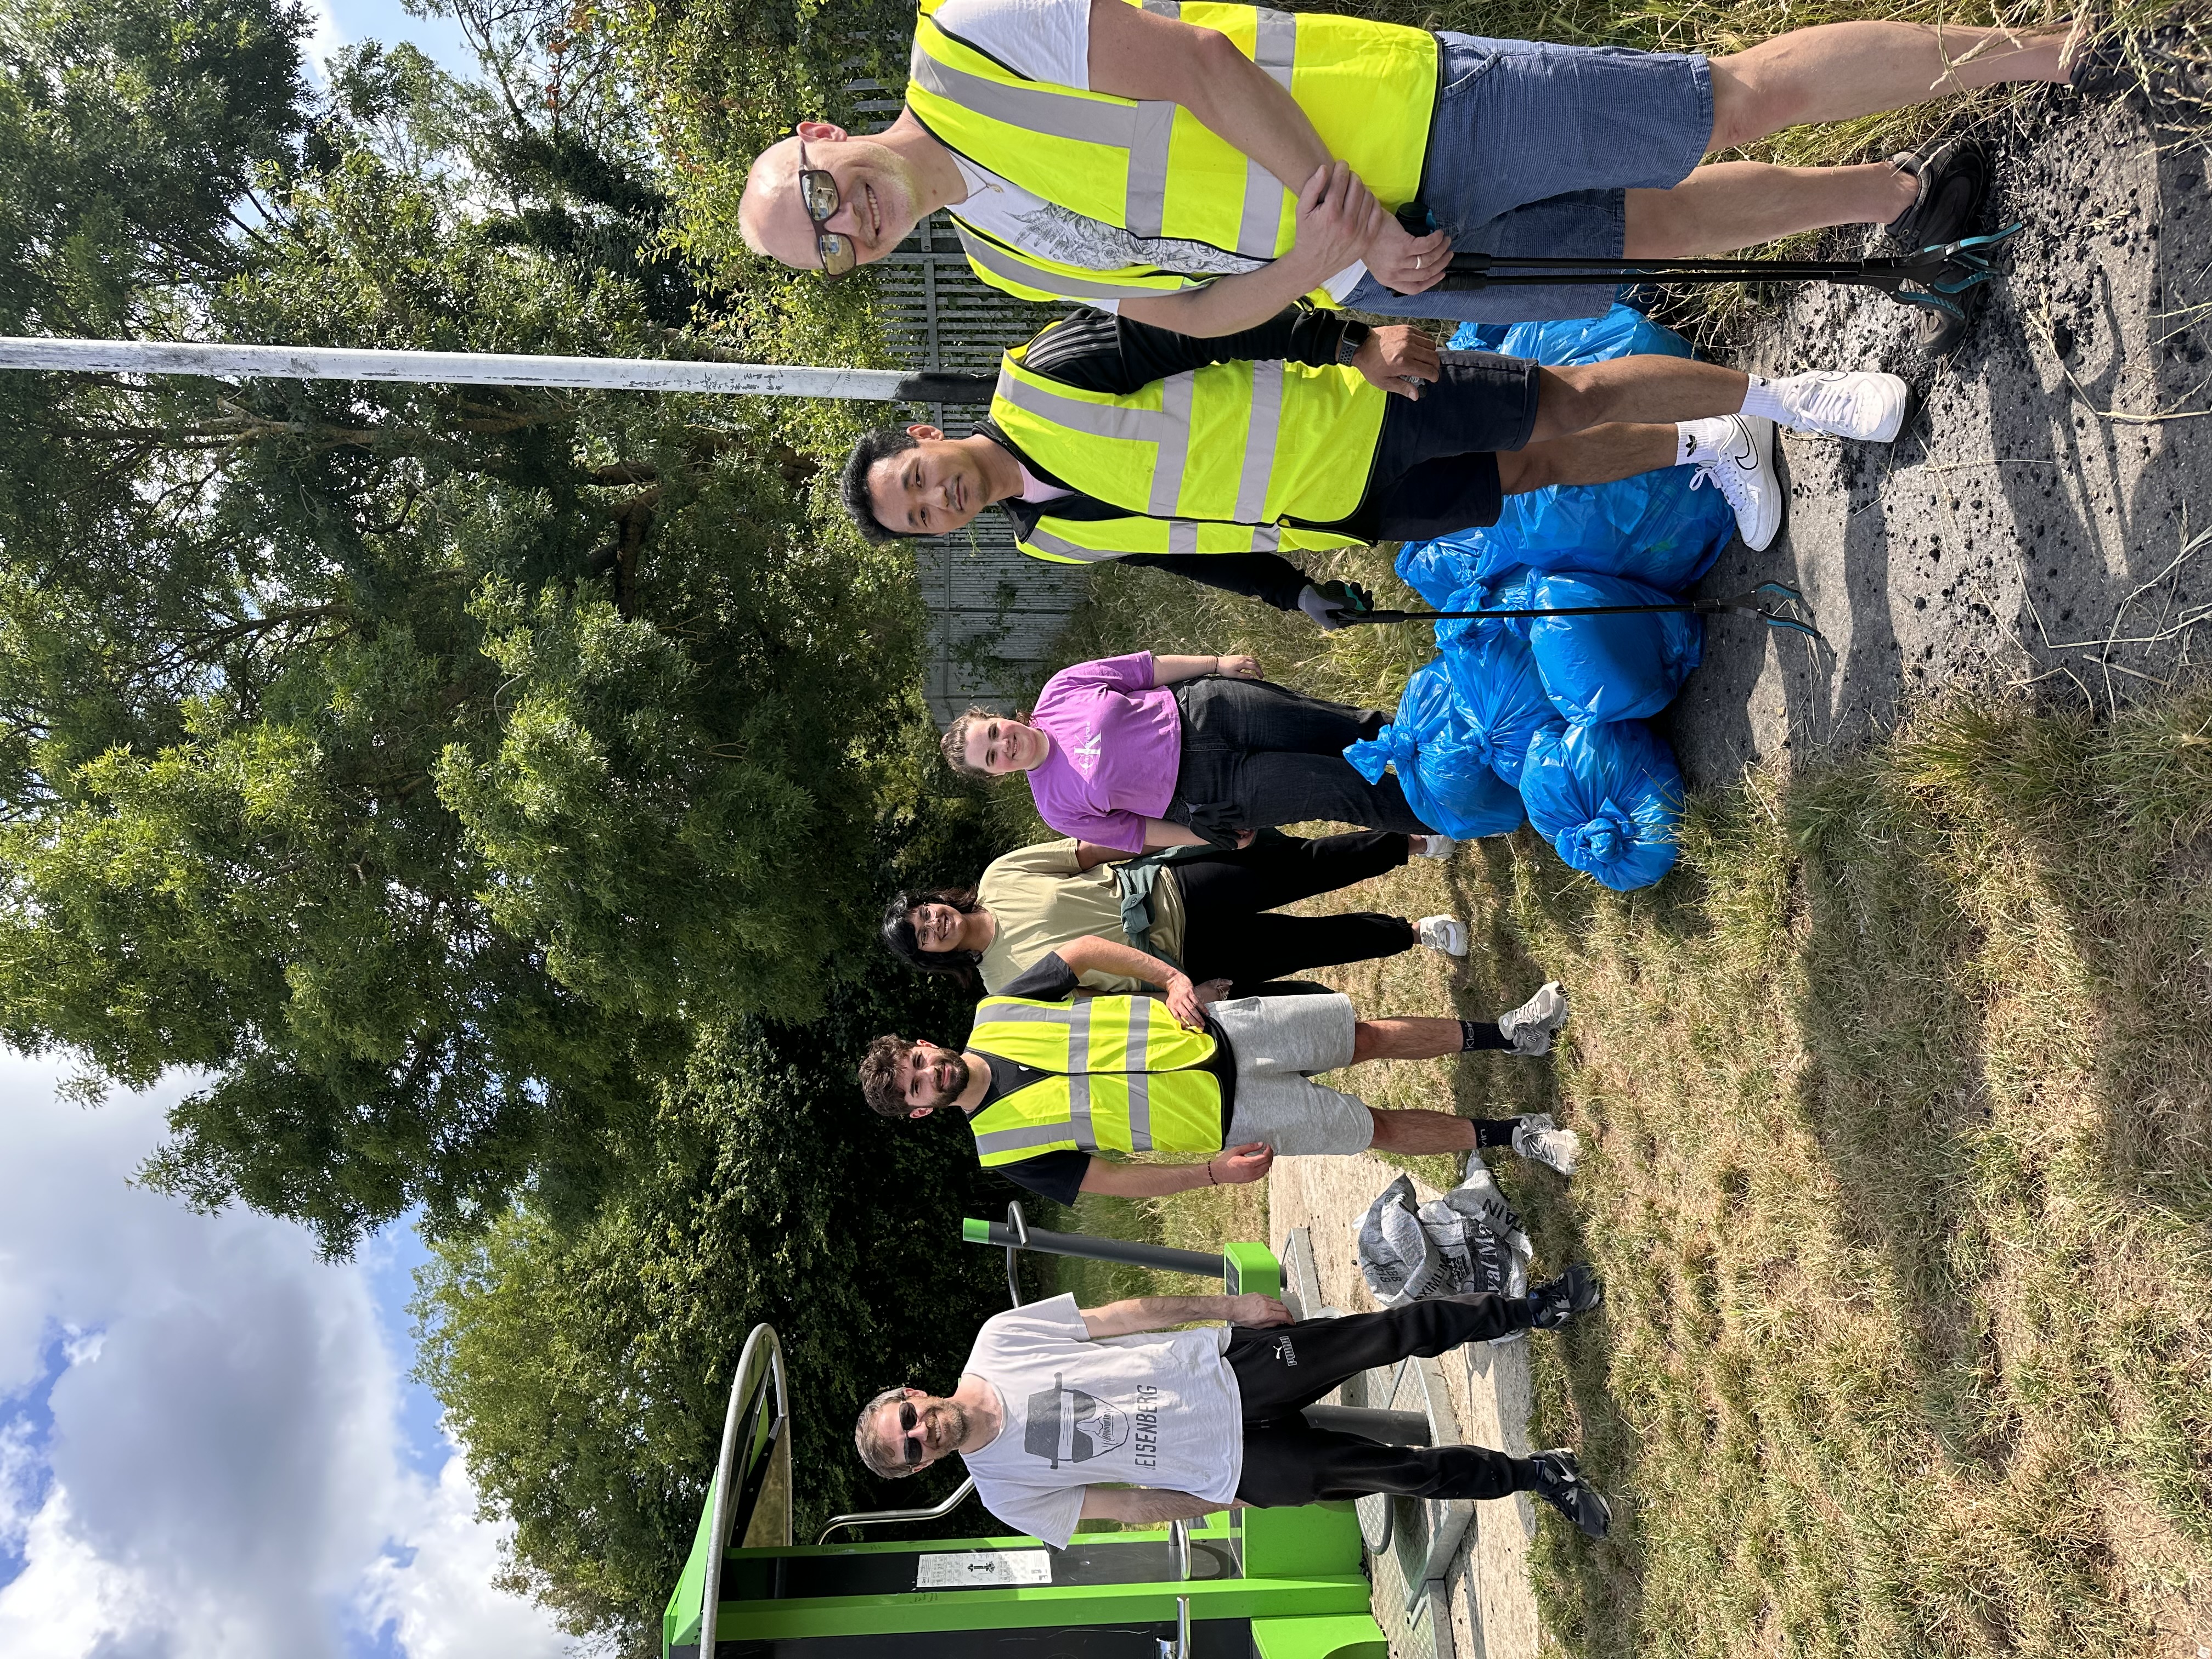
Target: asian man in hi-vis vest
1203, 165
1109, 438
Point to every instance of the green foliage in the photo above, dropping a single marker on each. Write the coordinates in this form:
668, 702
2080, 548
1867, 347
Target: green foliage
418, 761
586, 1373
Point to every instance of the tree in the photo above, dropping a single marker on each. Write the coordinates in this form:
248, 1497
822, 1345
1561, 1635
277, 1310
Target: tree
585, 1373
423, 763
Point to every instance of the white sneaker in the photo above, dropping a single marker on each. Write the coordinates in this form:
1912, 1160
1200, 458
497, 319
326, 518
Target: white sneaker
1837, 404
1529, 1027
1444, 934
1740, 463
1434, 846
1537, 1138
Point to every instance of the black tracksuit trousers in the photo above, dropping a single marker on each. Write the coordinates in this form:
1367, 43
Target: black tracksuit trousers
1230, 931
1280, 1370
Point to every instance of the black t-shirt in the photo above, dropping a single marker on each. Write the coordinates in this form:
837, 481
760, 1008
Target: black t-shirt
1059, 1175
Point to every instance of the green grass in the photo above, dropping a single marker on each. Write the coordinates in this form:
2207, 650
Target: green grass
1898, 1101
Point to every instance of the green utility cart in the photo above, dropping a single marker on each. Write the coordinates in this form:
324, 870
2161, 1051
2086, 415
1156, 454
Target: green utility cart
1246, 1584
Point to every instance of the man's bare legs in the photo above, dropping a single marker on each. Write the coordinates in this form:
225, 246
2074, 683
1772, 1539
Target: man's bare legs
1405, 1039
1421, 1131
1832, 72
1603, 454
1649, 387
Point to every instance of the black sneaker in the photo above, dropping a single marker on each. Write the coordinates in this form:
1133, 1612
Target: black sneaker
1954, 180
1577, 1291
2169, 63
1560, 1484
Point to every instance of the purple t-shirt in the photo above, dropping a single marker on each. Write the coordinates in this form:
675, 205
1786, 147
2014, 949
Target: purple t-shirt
1116, 743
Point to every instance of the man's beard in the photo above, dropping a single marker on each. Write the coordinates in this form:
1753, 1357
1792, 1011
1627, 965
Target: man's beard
953, 1091
955, 1417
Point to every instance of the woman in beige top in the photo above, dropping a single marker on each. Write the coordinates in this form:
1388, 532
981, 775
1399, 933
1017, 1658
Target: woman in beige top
1209, 913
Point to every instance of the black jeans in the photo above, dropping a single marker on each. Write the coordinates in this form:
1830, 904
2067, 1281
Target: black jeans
1226, 896
1282, 1370
1255, 754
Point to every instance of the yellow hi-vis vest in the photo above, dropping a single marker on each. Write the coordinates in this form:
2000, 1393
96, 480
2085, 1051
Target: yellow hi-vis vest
1126, 1077
1210, 460
1153, 168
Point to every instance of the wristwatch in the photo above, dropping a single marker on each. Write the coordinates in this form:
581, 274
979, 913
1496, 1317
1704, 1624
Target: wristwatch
1356, 335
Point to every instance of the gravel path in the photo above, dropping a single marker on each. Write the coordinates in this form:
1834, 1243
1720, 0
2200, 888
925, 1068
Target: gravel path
1493, 1610
2018, 524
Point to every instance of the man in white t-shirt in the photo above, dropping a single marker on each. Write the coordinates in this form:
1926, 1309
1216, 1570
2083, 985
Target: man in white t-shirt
1066, 1415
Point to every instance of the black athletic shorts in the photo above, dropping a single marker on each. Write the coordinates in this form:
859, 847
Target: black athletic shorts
1436, 464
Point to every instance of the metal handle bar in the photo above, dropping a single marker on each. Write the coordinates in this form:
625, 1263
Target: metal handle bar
943, 1509
1774, 604
717, 1514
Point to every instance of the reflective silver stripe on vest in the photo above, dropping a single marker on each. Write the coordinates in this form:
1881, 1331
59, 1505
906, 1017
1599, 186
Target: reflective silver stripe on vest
1144, 198
1164, 8
1043, 541
1178, 395
1183, 536
1140, 1081
989, 256
1033, 108
1275, 51
1021, 1138
1267, 392
1078, 1082
1144, 426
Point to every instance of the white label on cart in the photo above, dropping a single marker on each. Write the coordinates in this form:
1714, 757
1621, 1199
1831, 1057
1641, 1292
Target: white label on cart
984, 1567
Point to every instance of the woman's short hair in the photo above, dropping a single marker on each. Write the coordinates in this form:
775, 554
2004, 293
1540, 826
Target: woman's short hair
875, 444
878, 1457
898, 934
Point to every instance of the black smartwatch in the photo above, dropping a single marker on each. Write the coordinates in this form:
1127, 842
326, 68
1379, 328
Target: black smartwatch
1356, 335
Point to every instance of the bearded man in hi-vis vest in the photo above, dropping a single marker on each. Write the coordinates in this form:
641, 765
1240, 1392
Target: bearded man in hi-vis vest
1053, 1075
1202, 165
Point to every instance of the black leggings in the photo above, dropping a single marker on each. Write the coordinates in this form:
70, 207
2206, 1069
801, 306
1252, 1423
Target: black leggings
1226, 896
1281, 1369
1255, 754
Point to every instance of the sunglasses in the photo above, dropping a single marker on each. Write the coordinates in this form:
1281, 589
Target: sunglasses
819, 195
910, 1443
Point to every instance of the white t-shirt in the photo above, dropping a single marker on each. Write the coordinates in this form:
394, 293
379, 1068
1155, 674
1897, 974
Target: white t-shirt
1050, 41
1159, 1410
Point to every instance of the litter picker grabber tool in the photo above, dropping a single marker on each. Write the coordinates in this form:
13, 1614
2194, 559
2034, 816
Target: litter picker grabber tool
1933, 278
1773, 602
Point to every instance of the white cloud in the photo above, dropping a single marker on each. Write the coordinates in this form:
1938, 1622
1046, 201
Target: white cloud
324, 38
223, 1471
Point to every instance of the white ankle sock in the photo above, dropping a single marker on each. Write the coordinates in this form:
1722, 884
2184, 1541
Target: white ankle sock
1696, 443
1762, 398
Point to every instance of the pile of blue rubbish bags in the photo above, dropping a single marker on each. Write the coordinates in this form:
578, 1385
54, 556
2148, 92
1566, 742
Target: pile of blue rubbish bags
1544, 717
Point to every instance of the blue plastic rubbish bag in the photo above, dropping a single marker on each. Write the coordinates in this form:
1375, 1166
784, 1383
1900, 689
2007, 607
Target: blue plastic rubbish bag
1441, 763
1608, 799
1599, 669
1500, 694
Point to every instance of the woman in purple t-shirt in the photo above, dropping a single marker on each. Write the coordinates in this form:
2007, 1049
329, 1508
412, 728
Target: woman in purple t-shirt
1143, 751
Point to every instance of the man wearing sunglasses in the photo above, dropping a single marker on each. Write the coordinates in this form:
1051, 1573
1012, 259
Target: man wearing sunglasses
1065, 1415
1205, 164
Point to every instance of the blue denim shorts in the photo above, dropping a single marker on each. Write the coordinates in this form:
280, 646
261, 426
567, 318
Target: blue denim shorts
1531, 150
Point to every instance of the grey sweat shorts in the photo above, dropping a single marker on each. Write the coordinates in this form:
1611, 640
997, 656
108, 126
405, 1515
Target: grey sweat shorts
1279, 1042
1531, 150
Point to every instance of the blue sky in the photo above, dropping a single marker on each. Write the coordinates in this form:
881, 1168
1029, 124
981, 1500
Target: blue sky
344, 21
209, 1447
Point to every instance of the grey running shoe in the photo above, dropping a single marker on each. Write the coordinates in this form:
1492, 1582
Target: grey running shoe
1530, 1027
1537, 1138
1560, 1484
2169, 63
1577, 1291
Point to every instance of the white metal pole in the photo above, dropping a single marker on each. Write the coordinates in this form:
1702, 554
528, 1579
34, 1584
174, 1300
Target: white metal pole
488, 368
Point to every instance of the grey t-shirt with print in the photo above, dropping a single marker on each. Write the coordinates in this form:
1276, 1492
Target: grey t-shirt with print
1159, 1410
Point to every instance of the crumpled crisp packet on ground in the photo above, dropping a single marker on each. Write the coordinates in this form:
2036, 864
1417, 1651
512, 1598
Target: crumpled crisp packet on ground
1468, 1239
